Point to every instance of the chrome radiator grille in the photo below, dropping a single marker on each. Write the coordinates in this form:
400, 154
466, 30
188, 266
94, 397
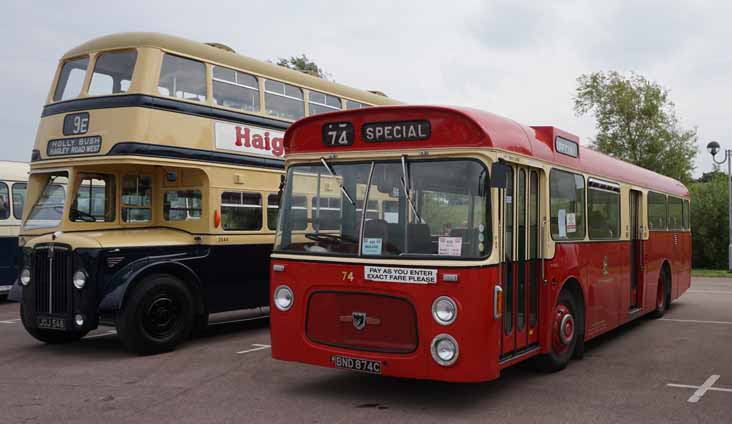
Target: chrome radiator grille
52, 279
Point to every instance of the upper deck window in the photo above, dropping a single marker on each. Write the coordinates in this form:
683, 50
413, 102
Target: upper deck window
113, 73
71, 79
350, 104
235, 89
322, 103
283, 100
182, 78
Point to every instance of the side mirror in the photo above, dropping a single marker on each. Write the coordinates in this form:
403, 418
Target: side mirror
499, 175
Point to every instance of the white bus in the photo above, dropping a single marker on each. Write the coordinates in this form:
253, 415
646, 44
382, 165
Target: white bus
13, 183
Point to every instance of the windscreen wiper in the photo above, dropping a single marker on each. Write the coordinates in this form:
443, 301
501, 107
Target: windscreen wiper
333, 174
405, 185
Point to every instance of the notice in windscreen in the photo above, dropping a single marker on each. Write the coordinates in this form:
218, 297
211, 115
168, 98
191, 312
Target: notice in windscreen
388, 274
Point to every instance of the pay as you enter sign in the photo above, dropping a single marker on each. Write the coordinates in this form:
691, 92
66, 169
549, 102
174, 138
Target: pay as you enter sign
390, 274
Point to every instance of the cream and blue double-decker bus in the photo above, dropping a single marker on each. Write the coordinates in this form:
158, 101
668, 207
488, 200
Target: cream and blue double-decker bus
153, 190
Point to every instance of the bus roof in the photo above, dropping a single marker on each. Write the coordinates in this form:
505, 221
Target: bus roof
13, 171
220, 56
470, 128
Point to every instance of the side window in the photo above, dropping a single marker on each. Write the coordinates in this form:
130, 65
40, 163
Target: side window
235, 89
182, 78
687, 214
675, 213
136, 198
322, 103
273, 211
350, 104
19, 190
4, 201
71, 79
283, 100
567, 199
326, 212
95, 199
182, 205
656, 211
241, 211
603, 210
113, 73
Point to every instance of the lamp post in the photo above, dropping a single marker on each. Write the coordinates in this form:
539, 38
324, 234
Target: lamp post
713, 148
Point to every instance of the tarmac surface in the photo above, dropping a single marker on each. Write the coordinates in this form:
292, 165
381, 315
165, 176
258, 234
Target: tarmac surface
676, 369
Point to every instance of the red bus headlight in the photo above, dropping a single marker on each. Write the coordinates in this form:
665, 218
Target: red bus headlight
283, 298
444, 310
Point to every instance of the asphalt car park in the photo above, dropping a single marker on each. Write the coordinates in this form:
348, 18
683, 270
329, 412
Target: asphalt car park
676, 369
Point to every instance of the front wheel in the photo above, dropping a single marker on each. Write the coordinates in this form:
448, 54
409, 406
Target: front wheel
661, 295
50, 336
157, 316
564, 334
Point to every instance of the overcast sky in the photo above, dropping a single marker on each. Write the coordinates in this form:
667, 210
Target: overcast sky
518, 59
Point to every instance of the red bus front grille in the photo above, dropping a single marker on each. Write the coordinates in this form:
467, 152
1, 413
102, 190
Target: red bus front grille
388, 323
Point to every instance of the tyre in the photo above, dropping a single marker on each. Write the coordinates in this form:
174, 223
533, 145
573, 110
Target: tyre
157, 316
3, 297
565, 331
661, 295
50, 336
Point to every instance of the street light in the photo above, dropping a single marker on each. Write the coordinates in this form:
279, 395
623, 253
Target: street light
713, 148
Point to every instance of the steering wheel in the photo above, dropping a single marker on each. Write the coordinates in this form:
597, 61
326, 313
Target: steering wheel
86, 217
324, 238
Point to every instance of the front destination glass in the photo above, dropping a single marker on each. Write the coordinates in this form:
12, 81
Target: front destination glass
435, 208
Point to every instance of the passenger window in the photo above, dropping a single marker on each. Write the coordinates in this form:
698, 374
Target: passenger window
241, 211
19, 190
656, 211
71, 79
94, 202
283, 100
322, 103
675, 213
112, 73
603, 210
182, 205
567, 199
4, 201
326, 212
687, 213
350, 104
273, 210
136, 198
235, 89
182, 78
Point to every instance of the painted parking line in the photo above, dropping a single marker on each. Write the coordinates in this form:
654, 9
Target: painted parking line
700, 391
696, 321
10, 321
238, 320
257, 347
106, 333
710, 291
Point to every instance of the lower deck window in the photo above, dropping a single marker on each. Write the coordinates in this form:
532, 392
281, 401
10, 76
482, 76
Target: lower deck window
95, 199
136, 198
4, 201
182, 205
241, 211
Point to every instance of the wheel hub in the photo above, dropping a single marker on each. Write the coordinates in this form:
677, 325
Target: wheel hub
161, 316
563, 328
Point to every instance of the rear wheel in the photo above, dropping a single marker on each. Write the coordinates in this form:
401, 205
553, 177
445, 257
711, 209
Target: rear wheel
50, 336
661, 295
564, 334
157, 316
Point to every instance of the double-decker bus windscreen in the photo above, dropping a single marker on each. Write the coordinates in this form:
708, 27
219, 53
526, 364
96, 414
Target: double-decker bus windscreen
435, 208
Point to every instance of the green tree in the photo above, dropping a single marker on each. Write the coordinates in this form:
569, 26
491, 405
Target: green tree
305, 65
709, 221
636, 122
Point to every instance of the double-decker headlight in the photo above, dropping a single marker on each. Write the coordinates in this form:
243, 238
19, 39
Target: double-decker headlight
445, 350
444, 310
283, 298
25, 276
79, 279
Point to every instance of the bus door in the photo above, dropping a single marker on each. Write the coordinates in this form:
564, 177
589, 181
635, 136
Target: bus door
636, 251
521, 263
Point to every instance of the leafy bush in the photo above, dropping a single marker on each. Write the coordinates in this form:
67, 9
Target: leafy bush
709, 221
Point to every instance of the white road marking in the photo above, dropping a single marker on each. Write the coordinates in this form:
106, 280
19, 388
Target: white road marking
710, 291
701, 390
10, 321
106, 333
238, 320
696, 321
254, 349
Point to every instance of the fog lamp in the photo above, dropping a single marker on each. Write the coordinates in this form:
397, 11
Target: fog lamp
25, 276
79, 320
444, 350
